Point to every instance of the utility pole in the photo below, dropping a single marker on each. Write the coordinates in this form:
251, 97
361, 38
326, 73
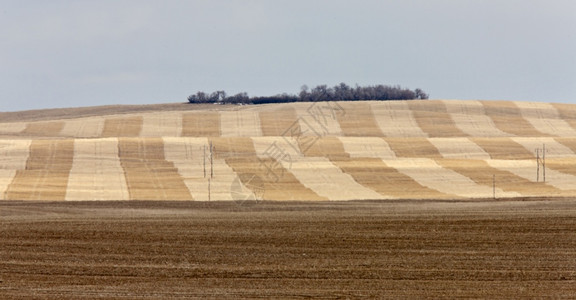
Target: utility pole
209, 189
543, 162
204, 161
494, 186
211, 160
537, 165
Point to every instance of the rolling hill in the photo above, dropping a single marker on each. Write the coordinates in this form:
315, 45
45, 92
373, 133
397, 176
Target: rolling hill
418, 149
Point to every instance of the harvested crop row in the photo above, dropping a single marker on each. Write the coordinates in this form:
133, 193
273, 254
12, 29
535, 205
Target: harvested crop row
395, 119
319, 118
83, 128
527, 169
507, 183
367, 147
122, 127
149, 175
358, 120
280, 122
315, 170
503, 148
470, 117
462, 148
434, 119
202, 124
413, 147
508, 118
545, 118
13, 157
43, 129
162, 124
46, 174
240, 123
96, 172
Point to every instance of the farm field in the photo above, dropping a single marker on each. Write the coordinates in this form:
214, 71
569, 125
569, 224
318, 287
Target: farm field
420, 149
278, 250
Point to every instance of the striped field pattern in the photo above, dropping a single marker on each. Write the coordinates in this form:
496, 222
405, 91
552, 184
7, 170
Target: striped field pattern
419, 149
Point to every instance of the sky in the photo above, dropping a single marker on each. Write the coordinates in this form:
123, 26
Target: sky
73, 53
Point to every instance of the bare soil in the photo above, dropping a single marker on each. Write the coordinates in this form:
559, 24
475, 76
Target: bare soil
412, 248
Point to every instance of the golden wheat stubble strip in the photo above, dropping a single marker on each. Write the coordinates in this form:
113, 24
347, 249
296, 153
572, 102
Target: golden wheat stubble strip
413, 147
470, 116
546, 118
358, 120
508, 118
566, 112
46, 174
568, 142
280, 122
149, 175
396, 119
503, 148
482, 173
122, 127
13, 157
264, 175
201, 124
434, 119
374, 174
44, 129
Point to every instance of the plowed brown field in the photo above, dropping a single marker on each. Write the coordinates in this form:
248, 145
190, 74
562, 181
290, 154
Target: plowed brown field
276, 250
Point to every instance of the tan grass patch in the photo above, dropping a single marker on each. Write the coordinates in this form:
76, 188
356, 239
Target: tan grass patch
241, 123
395, 119
43, 129
204, 124
13, 157
149, 175
96, 172
434, 119
46, 174
545, 118
458, 148
413, 147
122, 126
280, 122
162, 124
83, 128
470, 117
429, 174
376, 175
374, 147
508, 118
508, 184
358, 120
503, 148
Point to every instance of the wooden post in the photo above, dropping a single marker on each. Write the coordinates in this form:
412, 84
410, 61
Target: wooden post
494, 186
211, 160
543, 162
537, 165
209, 189
204, 161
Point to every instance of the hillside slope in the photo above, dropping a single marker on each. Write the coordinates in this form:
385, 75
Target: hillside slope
429, 149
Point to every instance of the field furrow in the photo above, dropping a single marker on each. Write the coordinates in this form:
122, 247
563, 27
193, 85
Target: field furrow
508, 118
545, 118
205, 124
162, 124
433, 118
149, 175
129, 126
83, 128
46, 174
470, 117
358, 120
395, 119
96, 172
240, 123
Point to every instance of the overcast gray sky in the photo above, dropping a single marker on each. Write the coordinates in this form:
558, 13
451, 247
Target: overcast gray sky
68, 53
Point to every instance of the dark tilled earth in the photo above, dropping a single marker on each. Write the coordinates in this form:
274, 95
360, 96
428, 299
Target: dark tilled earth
155, 250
